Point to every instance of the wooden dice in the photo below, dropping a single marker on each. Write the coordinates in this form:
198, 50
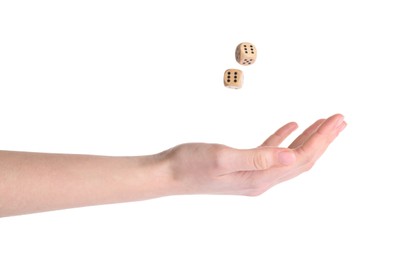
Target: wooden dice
233, 78
246, 53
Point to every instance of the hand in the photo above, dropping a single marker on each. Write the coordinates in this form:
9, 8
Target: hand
35, 182
198, 168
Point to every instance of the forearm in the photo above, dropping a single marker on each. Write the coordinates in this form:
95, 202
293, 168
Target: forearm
35, 182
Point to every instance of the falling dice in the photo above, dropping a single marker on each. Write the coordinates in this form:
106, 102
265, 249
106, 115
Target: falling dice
246, 53
233, 78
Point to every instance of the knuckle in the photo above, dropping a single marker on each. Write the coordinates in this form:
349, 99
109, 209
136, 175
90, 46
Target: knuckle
259, 161
218, 157
309, 165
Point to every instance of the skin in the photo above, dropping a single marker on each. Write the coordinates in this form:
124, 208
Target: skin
37, 182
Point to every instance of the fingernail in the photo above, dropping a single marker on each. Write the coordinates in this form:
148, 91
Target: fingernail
286, 157
341, 127
339, 122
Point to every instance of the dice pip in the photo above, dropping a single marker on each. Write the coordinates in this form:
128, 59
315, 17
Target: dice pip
246, 53
233, 78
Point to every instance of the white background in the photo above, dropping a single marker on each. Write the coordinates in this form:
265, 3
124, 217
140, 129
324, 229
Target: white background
133, 78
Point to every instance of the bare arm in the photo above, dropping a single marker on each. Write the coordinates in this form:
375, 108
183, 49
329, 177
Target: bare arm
32, 182
36, 182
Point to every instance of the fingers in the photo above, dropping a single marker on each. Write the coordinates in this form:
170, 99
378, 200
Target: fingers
317, 143
306, 134
312, 144
306, 149
280, 135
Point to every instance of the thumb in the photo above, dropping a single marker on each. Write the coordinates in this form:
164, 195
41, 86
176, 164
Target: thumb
260, 158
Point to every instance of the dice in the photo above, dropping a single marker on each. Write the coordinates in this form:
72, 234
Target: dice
233, 78
246, 53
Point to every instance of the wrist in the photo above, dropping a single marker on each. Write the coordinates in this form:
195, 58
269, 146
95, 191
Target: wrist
151, 177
